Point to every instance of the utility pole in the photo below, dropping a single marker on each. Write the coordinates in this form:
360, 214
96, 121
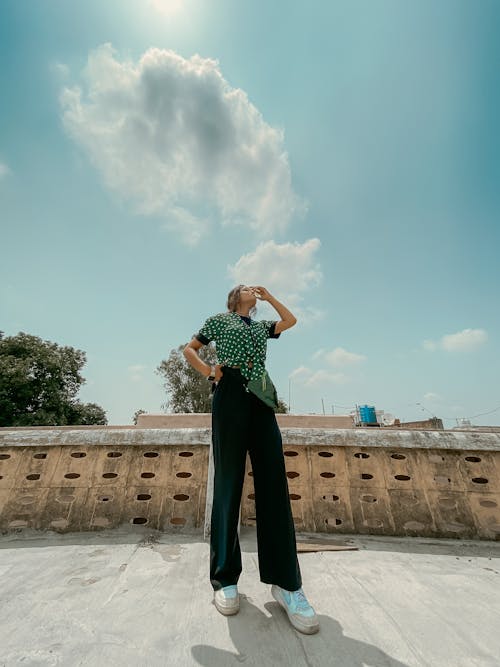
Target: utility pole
289, 394
323, 404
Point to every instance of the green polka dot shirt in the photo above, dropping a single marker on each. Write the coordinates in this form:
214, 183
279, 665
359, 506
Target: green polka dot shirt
238, 341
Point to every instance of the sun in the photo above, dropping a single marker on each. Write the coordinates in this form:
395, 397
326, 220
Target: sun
167, 7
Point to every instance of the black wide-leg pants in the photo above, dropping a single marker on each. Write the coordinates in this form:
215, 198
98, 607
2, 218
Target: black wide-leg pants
241, 422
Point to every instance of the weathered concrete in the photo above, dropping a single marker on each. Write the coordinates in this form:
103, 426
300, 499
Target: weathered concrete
139, 598
356, 437
385, 482
203, 419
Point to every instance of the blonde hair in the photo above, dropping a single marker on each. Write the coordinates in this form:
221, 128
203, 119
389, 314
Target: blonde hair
233, 300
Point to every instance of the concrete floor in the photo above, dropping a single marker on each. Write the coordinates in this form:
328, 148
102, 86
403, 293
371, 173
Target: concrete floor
138, 598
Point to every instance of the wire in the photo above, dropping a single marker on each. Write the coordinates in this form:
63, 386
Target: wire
480, 414
486, 413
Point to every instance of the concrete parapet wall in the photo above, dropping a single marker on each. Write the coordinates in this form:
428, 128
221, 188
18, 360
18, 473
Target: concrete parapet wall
372, 481
200, 419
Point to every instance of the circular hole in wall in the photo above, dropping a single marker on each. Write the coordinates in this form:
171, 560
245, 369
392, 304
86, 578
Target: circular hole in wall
333, 521
436, 458
447, 503
178, 520
65, 498
442, 479
27, 500
488, 503
414, 525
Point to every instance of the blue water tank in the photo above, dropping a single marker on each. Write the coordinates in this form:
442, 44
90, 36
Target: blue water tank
367, 414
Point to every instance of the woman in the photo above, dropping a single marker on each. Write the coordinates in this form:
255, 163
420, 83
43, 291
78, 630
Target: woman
241, 422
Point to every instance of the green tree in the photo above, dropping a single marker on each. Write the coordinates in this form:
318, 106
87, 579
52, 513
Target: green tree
189, 391
137, 413
282, 407
39, 381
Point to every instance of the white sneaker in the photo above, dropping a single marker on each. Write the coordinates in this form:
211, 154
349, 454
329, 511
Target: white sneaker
300, 612
227, 600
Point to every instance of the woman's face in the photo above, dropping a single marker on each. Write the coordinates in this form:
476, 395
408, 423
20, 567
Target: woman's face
247, 295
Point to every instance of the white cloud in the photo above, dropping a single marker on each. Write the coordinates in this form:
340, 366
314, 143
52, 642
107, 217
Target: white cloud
300, 372
173, 136
309, 377
4, 170
432, 397
322, 377
464, 340
467, 339
341, 357
287, 270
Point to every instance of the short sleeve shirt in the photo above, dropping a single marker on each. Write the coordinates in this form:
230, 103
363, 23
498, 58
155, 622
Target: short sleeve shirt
239, 341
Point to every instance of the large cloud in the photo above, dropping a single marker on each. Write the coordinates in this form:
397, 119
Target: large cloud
172, 135
467, 339
287, 270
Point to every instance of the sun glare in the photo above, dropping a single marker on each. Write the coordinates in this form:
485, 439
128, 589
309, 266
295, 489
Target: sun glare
167, 7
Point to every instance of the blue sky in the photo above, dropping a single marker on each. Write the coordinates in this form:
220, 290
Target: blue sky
344, 155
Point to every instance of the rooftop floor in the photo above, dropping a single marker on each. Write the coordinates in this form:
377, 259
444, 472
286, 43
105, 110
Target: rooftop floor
134, 597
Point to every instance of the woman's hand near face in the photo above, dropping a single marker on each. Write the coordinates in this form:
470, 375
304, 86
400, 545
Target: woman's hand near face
260, 292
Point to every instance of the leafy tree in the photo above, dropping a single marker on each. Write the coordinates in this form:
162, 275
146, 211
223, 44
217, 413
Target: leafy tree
39, 381
282, 407
86, 414
189, 391
136, 415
